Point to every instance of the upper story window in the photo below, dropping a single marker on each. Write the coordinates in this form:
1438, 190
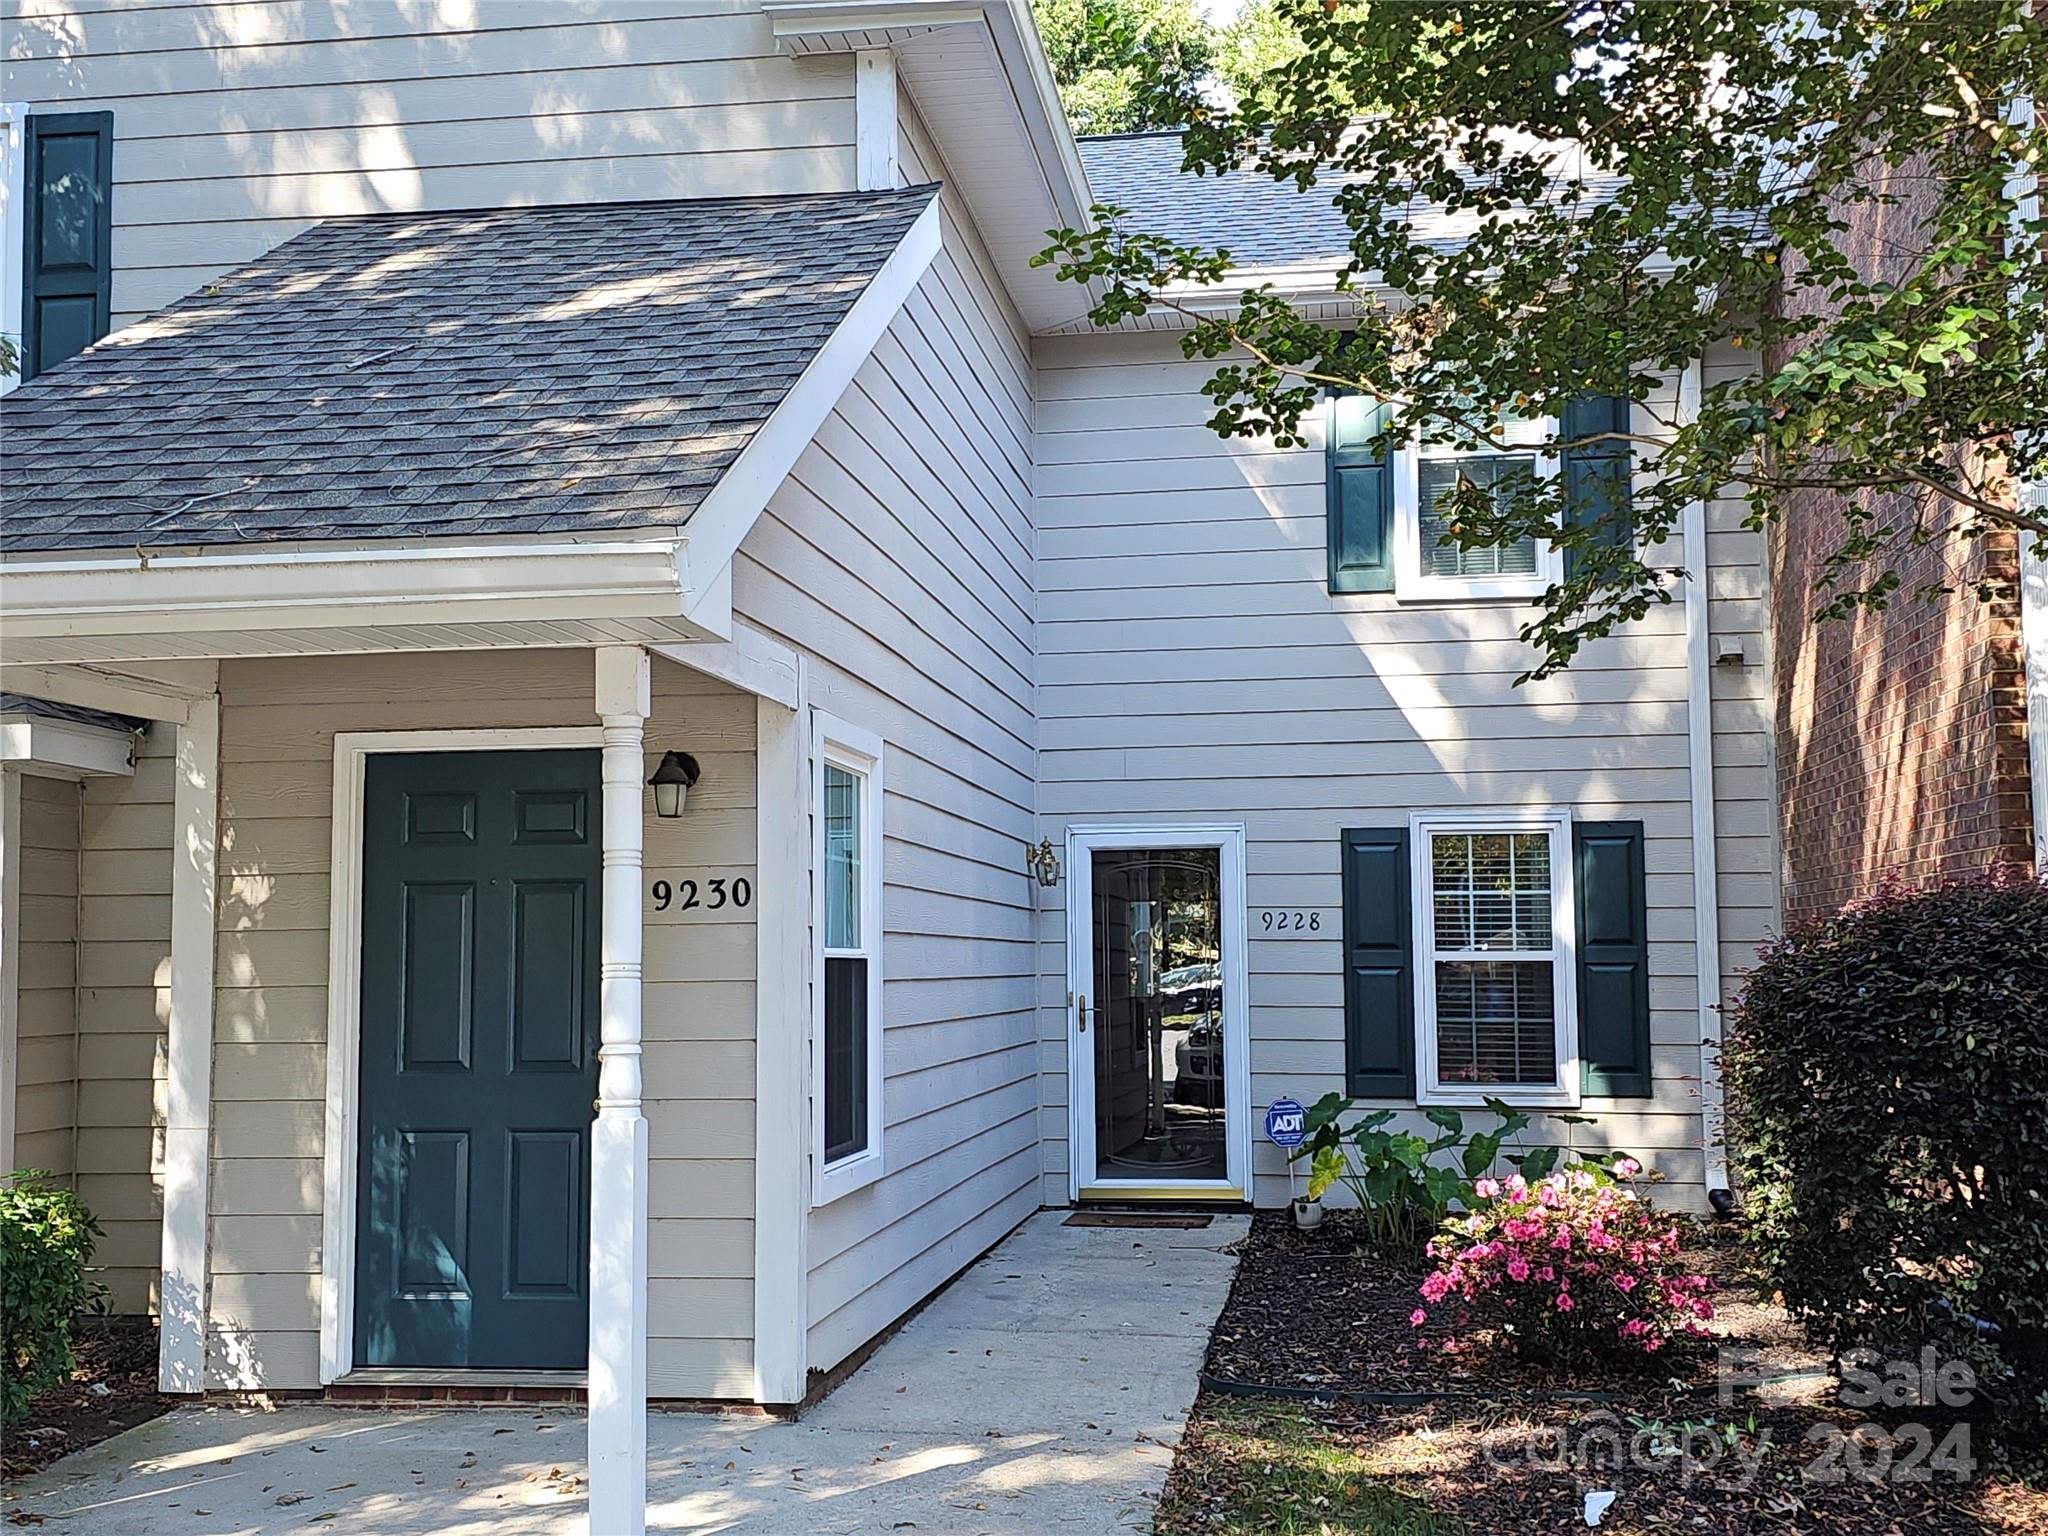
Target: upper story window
847, 987
59, 255
1388, 512
1427, 482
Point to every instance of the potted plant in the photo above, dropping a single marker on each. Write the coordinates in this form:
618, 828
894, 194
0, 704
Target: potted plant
1324, 1168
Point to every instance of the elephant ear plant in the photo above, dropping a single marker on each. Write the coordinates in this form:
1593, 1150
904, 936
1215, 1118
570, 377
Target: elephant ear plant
1405, 1183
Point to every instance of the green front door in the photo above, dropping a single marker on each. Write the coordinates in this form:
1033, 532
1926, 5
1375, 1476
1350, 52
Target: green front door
481, 876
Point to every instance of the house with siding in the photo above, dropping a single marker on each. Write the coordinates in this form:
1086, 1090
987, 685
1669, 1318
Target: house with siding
568, 558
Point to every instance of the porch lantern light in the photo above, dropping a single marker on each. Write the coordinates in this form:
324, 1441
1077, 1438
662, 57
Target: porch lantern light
671, 783
1043, 863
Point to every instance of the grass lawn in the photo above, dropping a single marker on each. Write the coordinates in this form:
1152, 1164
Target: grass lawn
1271, 1469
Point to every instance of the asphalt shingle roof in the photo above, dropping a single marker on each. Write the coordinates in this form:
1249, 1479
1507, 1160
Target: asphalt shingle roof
1262, 222
72, 714
531, 370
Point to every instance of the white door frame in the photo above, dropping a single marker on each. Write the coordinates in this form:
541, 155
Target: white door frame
1082, 841
352, 753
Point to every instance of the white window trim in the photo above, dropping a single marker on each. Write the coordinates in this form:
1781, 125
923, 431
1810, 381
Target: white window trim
1564, 1093
859, 751
13, 210
1410, 582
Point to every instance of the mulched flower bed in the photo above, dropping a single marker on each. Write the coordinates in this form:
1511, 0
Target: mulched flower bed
1497, 1445
119, 1358
1325, 1312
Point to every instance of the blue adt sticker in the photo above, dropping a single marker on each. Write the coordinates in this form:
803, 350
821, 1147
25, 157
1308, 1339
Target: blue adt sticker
1284, 1123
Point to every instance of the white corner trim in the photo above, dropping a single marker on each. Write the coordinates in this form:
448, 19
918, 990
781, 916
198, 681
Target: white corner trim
10, 958
859, 751
782, 1058
724, 517
2034, 654
13, 206
188, 1050
352, 751
1706, 878
65, 749
392, 582
874, 119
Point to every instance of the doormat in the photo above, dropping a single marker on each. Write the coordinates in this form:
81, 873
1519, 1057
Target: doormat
1179, 1221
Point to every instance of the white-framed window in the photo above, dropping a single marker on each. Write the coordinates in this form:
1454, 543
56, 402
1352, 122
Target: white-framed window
846, 950
1426, 475
1495, 979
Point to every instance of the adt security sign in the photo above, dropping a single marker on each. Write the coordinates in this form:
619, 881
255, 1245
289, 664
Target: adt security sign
1285, 1123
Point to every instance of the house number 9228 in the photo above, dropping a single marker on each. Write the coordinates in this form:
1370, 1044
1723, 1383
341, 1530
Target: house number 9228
1292, 923
706, 896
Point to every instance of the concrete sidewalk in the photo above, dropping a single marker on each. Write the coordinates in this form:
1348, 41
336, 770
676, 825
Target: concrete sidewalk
1043, 1391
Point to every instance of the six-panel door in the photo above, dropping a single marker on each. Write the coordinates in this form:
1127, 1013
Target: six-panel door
481, 878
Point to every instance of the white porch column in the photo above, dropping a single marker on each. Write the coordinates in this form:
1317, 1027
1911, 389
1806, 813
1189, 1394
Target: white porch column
618, 1147
188, 1048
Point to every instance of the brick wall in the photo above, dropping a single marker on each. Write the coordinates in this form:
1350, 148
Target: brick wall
1901, 735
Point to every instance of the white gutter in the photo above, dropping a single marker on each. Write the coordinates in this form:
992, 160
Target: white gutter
196, 590
1706, 878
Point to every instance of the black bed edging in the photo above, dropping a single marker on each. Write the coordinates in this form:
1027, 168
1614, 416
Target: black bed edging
1224, 1386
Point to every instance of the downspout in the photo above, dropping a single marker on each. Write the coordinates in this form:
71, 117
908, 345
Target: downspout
1706, 880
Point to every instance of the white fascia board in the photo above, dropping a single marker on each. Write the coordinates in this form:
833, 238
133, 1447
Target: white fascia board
725, 516
64, 749
750, 660
162, 691
201, 590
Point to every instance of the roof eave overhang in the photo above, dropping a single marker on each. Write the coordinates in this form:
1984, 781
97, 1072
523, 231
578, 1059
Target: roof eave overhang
979, 75
664, 584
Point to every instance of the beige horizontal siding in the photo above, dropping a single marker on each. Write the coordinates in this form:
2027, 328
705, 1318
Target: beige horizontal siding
1194, 666
237, 124
898, 555
124, 947
45, 1085
278, 722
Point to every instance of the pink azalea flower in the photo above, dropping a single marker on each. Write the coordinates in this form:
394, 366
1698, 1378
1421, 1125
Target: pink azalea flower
1564, 1302
1627, 1168
1417, 1318
1518, 1268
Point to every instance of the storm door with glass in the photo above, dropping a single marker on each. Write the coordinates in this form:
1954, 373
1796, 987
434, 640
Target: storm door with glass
1158, 1032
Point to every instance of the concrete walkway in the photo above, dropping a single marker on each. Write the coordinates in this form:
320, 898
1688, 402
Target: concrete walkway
1043, 1391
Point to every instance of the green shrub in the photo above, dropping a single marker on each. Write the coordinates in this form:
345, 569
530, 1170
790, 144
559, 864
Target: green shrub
1887, 1071
46, 1239
1405, 1184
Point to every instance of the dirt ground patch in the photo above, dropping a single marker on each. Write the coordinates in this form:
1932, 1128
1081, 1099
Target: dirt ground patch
112, 1389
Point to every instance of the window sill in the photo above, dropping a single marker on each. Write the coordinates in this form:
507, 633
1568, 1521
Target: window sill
845, 1176
1521, 589
1475, 1095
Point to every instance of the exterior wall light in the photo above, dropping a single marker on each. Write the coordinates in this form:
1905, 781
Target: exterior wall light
1043, 863
671, 783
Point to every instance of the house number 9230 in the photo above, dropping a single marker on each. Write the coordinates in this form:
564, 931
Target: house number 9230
705, 896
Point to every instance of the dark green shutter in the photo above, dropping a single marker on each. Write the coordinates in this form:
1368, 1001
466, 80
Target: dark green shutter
1614, 958
1360, 496
1379, 968
1596, 478
67, 260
